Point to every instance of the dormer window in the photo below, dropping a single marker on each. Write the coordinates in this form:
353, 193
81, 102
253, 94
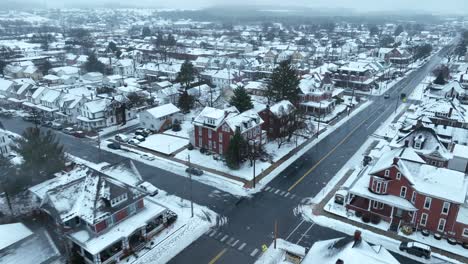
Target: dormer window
210, 121
418, 142
118, 200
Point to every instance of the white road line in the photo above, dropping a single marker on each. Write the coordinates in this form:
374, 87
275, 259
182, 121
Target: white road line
287, 194
209, 231
230, 241
267, 188
292, 196
307, 231
272, 189
218, 235
294, 230
277, 191
282, 193
224, 238
254, 252
242, 246
235, 243
213, 233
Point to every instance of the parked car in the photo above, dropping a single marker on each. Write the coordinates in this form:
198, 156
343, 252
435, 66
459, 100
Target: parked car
142, 132
386, 96
79, 134
28, 118
68, 130
416, 249
56, 125
121, 138
194, 171
147, 157
114, 146
139, 138
47, 124
149, 188
133, 141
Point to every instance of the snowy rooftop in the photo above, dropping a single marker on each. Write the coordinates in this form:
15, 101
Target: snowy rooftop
282, 108
215, 115
244, 121
5, 84
329, 251
163, 110
12, 233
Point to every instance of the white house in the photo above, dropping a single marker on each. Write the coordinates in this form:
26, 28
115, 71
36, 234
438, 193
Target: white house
4, 143
160, 118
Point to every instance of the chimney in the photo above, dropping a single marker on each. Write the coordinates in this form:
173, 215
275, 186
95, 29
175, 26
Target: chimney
450, 112
357, 238
461, 78
395, 160
339, 261
406, 143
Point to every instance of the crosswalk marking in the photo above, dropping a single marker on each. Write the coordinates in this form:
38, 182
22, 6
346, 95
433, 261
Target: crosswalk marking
272, 189
213, 233
224, 238
235, 243
292, 196
282, 193
230, 241
287, 194
277, 191
242, 246
218, 235
267, 188
254, 252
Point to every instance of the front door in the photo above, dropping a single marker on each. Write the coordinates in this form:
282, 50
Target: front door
399, 213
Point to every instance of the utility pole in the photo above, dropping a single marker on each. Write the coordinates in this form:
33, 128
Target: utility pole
276, 232
318, 123
190, 176
253, 157
99, 147
396, 104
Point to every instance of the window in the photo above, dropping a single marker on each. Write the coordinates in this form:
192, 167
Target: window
427, 203
385, 187
209, 133
387, 172
423, 221
398, 176
417, 145
465, 232
375, 204
441, 225
220, 136
445, 208
413, 197
403, 192
378, 187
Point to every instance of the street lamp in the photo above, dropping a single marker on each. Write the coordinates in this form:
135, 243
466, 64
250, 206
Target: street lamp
253, 160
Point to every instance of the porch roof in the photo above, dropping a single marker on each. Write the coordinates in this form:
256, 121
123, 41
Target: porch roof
95, 244
361, 188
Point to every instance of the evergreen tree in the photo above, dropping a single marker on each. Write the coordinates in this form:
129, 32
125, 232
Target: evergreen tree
284, 84
45, 67
373, 30
186, 102
171, 41
3, 64
386, 41
186, 74
234, 152
145, 32
398, 30
94, 65
440, 79
112, 46
42, 154
241, 100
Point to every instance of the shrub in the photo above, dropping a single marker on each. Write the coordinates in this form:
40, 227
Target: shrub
366, 218
375, 219
190, 146
407, 230
358, 213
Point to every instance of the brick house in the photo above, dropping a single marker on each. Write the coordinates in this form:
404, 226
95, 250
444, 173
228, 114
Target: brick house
213, 128
101, 218
401, 189
317, 93
277, 118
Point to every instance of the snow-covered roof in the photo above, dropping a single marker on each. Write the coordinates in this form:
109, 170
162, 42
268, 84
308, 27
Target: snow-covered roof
5, 84
244, 121
50, 96
13, 233
349, 251
163, 110
213, 117
282, 108
96, 106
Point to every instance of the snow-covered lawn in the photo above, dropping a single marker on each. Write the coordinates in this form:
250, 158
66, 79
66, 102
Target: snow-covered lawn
108, 130
186, 127
164, 143
388, 129
418, 92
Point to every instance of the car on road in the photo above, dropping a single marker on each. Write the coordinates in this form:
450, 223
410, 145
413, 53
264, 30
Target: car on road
149, 188
147, 157
133, 141
114, 146
121, 138
28, 118
79, 134
68, 130
56, 125
139, 138
417, 249
194, 171
386, 96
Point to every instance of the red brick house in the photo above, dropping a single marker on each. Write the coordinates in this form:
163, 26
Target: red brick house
213, 128
401, 189
101, 218
277, 119
317, 94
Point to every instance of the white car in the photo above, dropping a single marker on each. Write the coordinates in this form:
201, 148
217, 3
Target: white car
133, 141
147, 157
121, 138
148, 188
139, 138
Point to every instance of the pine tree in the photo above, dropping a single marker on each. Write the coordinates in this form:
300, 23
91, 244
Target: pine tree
146, 32
234, 152
94, 65
186, 102
186, 74
241, 99
2, 67
284, 84
42, 153
398, 30
440, 79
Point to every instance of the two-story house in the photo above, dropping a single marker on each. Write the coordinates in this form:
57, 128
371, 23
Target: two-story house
279, 119
401, 189
101, 218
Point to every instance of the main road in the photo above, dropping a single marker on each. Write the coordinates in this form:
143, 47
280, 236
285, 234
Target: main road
251, 220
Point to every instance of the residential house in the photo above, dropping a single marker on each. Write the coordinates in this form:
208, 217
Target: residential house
270, 56
6, 88
278, 119
124, 67
355, 75
160, 118
4, 142
317, 94
256, 88
397, 56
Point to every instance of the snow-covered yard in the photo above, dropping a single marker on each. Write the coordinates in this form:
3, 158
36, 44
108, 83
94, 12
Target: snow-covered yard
164, 143
186, 127
418, 92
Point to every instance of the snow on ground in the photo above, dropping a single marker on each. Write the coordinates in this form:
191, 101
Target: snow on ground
164, 143
388, 129
418, 92
182, 233
277, 153
107, 130
339, 109
186, 127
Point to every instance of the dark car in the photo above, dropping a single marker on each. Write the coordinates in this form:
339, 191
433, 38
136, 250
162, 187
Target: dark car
141, 132
114, 146
28, 118
386, 96
79, 134
194, 171
417, 249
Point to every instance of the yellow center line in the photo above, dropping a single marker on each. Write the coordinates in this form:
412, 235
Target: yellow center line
328, 154
220, 254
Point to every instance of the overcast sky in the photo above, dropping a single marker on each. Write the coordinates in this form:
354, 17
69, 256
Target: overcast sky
436, 6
